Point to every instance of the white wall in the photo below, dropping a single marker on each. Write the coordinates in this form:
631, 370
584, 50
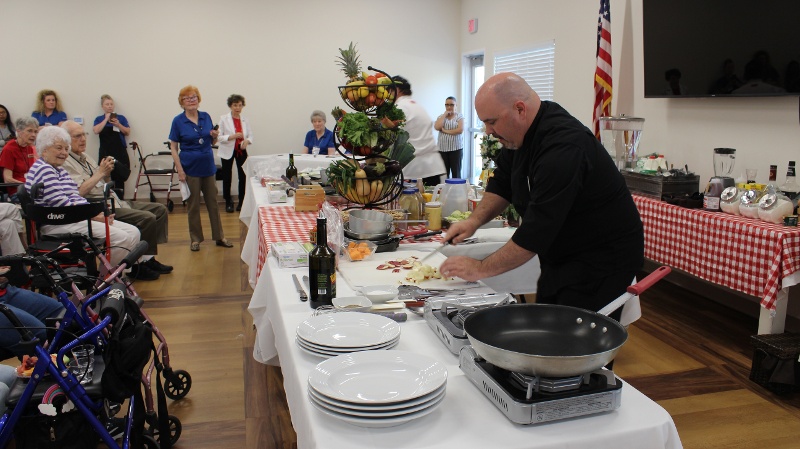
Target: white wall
764, 131
279, 54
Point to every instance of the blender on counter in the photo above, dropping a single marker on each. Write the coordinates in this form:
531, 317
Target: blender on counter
620, 136
724, 160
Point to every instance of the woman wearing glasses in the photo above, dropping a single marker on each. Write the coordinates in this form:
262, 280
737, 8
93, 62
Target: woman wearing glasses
451, 143
193, 132
19, 154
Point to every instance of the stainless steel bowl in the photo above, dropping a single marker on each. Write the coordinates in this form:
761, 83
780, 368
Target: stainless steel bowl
370, 222
363, 235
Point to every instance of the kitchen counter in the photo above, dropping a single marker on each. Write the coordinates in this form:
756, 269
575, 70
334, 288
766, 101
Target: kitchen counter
466, 419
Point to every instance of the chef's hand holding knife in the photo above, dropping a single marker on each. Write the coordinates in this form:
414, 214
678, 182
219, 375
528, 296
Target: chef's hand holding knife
507, 258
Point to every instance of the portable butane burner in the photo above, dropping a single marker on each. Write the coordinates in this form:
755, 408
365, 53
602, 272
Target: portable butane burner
446, 315
536, 400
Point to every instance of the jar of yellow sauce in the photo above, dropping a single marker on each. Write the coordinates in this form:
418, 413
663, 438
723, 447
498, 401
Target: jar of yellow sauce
433, 213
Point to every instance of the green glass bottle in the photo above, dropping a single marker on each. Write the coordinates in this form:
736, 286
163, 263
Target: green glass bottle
322, 268
291, 170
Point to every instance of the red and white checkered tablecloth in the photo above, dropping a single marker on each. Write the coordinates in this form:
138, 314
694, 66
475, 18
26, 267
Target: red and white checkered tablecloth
283, 224
744, 254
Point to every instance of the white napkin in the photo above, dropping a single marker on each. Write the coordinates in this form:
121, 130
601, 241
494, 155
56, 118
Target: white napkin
185, 193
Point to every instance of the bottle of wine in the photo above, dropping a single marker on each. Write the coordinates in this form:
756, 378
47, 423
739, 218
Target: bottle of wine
790, 188
291, 170
322, 268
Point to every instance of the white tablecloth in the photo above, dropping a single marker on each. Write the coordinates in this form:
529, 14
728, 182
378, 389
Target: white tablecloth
274, 165
465, 420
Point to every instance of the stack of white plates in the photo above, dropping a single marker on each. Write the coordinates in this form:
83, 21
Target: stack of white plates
334, 334
377, 388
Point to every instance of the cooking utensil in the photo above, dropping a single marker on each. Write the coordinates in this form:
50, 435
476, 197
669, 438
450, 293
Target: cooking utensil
299, 286
437, 250
370, 221
427, 234
551, 340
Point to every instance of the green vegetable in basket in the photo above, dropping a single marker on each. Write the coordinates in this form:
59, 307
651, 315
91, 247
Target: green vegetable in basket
355, 128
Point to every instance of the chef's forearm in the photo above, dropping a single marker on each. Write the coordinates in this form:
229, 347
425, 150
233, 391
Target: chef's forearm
505, 259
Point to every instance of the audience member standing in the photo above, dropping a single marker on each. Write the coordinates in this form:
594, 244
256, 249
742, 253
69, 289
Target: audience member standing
193, 132
451, 141
235, 136
112, 128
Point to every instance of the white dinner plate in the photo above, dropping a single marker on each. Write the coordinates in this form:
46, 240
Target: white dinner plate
377, 377
329, 354
348, 330
379, 407
377, 411
312, 345
374, 422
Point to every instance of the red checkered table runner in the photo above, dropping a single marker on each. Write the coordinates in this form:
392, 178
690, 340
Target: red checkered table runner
283, 224
745, 254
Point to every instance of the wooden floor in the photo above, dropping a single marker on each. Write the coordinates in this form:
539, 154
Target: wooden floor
689, 354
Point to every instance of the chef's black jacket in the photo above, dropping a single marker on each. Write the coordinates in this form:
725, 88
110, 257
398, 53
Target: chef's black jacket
577, 212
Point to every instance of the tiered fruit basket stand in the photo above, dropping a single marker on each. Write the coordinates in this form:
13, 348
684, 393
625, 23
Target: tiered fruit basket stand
383, 181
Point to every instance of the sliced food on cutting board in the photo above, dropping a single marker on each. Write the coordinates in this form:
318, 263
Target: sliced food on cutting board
396, 267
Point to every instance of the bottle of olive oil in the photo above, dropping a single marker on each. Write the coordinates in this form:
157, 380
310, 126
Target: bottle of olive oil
291, 170
322, 268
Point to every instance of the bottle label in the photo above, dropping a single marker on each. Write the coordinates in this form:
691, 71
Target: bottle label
325, 282
790, 171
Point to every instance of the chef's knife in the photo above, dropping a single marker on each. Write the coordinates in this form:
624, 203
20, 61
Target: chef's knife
438, 249
303, 296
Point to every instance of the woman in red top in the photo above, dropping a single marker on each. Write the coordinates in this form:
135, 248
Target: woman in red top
19, 154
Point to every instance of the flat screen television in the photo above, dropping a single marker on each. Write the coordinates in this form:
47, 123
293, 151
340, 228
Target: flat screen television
721, 48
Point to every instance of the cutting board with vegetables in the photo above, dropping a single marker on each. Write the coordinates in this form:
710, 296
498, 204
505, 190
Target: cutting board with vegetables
365, 272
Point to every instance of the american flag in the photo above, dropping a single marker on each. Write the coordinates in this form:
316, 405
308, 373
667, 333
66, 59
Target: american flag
602, 74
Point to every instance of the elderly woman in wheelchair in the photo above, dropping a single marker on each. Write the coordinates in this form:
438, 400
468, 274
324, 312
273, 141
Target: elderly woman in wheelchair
55, 188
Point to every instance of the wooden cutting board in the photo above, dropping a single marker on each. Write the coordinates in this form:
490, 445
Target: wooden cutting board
365, 273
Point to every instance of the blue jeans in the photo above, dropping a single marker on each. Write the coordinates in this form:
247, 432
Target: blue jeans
32, 309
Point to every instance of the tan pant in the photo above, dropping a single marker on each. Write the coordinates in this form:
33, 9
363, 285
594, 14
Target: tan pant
208, 187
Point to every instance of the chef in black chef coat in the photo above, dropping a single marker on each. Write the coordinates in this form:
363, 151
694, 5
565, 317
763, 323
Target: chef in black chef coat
577, 213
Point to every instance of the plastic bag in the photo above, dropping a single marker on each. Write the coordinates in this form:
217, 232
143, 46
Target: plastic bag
335, 228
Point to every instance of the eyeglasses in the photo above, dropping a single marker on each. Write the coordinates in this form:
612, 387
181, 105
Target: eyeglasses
59, 148
449, 104
192, 98
79, 136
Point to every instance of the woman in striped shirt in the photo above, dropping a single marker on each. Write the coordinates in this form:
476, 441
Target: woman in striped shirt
451, 144
60, 190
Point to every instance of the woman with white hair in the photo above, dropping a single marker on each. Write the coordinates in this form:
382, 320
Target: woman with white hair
59, 190
19, 153
320, 139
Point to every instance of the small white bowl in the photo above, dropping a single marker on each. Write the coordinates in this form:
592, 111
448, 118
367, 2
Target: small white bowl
352, 303
380, 293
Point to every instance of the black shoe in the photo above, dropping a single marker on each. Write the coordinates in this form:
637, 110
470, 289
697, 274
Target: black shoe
229, 206
158, 267
239, 206
142, 272
224, 243
116, 427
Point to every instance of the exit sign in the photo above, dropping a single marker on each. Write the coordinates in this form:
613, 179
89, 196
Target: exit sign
472, 26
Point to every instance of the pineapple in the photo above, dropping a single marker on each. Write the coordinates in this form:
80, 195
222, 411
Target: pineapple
350, 64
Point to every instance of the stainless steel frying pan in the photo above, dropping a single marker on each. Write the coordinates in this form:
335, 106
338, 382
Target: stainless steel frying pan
551, 340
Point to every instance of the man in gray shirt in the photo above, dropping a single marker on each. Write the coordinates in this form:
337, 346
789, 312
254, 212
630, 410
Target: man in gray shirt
150, 218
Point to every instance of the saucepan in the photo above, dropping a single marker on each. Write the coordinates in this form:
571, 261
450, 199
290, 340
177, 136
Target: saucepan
551, 340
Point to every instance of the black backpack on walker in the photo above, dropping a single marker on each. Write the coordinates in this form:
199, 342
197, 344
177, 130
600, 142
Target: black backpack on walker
129, 349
